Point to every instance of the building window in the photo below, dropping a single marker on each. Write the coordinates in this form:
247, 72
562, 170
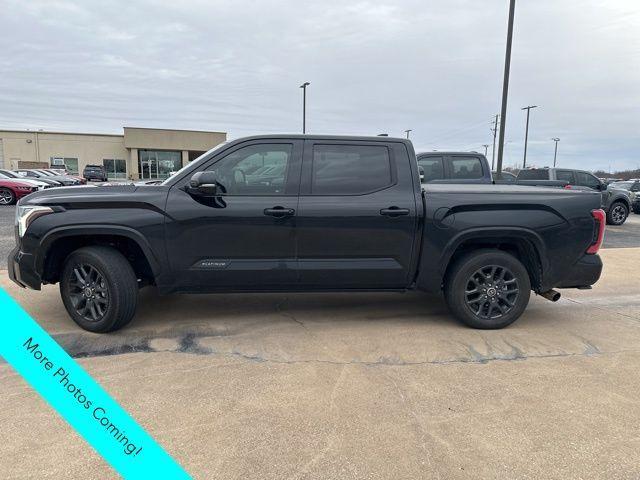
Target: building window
158, 163
70, 164
116, 168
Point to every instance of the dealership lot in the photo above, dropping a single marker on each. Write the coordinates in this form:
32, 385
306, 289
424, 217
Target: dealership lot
345, 385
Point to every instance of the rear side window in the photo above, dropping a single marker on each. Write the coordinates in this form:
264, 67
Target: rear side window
350, 169
533, 174
566, 176
466, 167
433, 168
587, 180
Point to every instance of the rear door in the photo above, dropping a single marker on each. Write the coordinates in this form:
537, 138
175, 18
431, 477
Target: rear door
357, 215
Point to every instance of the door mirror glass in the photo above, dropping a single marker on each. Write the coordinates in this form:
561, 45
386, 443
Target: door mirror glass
203, 184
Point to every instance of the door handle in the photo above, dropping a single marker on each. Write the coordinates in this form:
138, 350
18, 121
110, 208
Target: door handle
394, 211
279, 212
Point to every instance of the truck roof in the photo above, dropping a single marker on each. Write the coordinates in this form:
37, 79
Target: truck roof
324, 137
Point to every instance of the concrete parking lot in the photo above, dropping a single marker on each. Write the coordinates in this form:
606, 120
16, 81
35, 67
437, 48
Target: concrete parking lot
352, 386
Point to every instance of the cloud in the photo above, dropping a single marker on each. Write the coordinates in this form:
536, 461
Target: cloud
434, 67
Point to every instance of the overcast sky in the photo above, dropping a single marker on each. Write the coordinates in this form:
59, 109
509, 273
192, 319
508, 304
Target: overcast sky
432, 66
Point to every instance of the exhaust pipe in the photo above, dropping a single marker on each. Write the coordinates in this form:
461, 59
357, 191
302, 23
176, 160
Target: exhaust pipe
551, 295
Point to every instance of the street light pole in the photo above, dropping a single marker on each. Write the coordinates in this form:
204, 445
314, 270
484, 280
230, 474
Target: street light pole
493, 150
304, 106
486, 148
526, 134
505, 84
555, 153
407, 132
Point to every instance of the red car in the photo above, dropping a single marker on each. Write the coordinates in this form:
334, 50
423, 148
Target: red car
12, 190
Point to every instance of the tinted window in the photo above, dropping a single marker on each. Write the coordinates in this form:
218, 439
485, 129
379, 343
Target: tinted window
466, 167
566, 176
433, 168
533, 174
254, 170
349, 169
587, 180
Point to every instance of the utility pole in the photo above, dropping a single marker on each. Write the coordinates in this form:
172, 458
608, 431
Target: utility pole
505, 84
486, 148
555, 153
304, 106
407, 132
526, 135
493, 150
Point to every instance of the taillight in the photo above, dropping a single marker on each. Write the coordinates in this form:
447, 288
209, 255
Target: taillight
600, 219
567, 187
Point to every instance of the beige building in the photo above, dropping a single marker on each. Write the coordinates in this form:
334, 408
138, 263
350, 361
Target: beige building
139, 153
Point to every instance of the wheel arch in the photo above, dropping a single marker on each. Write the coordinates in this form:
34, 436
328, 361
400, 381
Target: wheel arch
526, 245
57, 244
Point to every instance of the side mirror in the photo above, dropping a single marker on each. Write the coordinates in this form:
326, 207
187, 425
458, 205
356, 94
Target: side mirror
602, 187
203, 184
421, 173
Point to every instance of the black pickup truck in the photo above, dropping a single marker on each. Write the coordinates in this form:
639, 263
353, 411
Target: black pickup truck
307, 213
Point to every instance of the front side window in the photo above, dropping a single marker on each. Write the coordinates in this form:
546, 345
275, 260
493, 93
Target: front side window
254, 170
433, 168
463, 167
350, 169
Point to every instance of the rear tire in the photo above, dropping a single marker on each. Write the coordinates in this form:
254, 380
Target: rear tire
487, 289
617, 214
7, 197
99, 289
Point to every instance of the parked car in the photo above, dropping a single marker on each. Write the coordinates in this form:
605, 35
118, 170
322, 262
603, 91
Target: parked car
36, 183
95, 172
635, 206
59, 170
47, 181
42, 175
615, 202
328, 224
504, 177
51, 173
453, 167
12, 190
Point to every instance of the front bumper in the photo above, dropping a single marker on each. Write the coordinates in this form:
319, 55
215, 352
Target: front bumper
584, 273
22, 269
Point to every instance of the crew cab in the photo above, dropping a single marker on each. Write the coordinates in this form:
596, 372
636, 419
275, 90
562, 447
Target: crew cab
615, 202
333, 214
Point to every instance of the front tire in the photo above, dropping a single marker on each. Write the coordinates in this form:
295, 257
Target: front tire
487, 289
7, 197
617, 214
99, 289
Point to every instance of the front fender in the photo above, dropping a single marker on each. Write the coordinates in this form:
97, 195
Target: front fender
75, 230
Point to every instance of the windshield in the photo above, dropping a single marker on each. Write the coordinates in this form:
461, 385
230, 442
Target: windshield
8, 174
217, 147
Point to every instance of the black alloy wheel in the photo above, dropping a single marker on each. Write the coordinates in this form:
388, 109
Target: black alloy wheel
89, 292
491, 292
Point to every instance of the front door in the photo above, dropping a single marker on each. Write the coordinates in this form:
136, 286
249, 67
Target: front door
357, 216
244, 239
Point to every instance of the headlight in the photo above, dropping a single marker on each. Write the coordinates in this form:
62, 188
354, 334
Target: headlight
27, 214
